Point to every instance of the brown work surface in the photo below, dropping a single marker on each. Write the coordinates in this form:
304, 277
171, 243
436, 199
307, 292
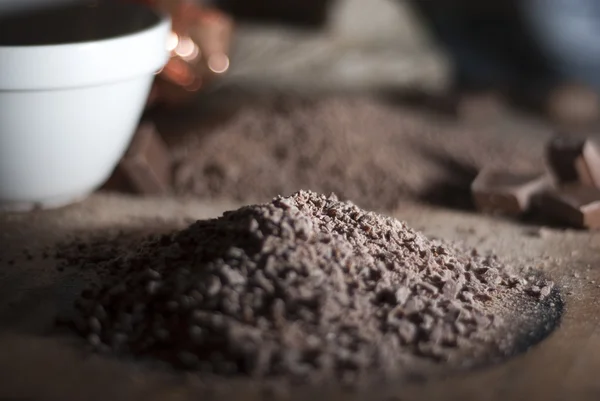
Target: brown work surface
38, 365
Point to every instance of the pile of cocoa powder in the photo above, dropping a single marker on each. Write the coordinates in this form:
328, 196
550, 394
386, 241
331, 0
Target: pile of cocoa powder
305, 288
371, 152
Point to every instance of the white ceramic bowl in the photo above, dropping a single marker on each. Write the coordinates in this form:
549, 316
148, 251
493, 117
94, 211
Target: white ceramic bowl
73, 85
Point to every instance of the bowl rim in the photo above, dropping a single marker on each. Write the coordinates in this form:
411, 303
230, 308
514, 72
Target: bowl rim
86, 63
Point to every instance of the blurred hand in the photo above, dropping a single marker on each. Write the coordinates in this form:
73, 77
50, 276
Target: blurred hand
199, 47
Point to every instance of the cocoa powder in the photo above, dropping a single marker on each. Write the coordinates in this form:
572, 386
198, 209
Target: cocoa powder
305, 288
364, 150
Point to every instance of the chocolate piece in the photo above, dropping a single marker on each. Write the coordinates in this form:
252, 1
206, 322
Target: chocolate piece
146, 166
497, 191
117, 182
576, 205
574, 160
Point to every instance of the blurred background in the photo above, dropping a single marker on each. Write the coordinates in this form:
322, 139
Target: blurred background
376, 100
536, 55
541, 55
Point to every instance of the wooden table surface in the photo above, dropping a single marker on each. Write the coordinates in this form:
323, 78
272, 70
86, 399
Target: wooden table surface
35, 365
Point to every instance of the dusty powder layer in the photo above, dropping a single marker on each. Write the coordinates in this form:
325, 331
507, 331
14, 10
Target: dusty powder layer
371, 153
305, 288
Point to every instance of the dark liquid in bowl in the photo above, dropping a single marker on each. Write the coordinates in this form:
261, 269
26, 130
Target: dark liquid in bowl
74, 23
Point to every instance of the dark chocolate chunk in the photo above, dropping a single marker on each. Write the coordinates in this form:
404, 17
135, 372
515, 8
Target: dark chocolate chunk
146, 167
497, 191
118, 182
574, 160
576, 205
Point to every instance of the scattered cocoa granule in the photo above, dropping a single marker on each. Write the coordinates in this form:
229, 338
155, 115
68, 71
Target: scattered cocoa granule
90, 252
28, 254
305, 288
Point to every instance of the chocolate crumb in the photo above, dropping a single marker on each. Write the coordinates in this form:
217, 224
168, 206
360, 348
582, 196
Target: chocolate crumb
306, 288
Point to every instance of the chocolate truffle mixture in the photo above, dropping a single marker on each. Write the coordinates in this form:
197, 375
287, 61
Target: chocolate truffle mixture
306, 288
